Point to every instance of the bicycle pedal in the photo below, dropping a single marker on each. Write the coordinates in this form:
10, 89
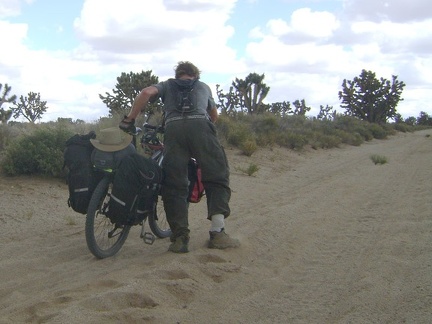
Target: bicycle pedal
149, 238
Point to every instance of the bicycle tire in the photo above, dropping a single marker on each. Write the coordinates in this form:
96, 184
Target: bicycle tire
157, 220
103, 238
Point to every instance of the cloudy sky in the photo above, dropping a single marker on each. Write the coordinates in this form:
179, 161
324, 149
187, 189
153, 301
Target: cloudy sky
72, 51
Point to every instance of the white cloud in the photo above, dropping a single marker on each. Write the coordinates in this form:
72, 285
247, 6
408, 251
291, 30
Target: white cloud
115, 27
392, 10
278, 27
304, 25
311, 61
159, 37
9, 8
116, 39
13, 37
305, 56
314, 24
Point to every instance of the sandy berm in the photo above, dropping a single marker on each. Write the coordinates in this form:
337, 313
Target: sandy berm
327, 237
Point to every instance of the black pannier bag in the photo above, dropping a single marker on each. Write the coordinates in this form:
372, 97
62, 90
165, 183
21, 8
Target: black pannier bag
80, 177
136, 185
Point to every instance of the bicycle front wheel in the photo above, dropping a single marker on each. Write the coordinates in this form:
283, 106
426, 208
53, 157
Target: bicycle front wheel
104, 239
157, 220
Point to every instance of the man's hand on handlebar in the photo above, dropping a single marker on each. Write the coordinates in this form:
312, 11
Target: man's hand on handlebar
128, 126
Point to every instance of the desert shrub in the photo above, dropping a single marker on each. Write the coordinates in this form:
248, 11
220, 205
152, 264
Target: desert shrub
250, 170
294, 132
346, 123
225, 126
367, 130
41, 152
354, 139
265, 123
113, 121
10, 131
292, 140
347, 126
5, 135
378, 159
324, 127
294, 122
378, 131
389, 129
364, 132
326, 141
266, 128
239, 134
402, 127
248, 147
266, 139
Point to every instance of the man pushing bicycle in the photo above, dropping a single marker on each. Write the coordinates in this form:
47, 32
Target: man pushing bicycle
190, 114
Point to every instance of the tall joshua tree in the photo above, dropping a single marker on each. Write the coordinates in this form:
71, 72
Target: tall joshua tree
6, 114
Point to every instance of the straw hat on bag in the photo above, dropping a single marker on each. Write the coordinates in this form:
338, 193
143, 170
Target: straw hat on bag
111, 139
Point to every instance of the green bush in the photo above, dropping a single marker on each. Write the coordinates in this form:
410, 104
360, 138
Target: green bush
347, 123
266, 128
265, 123
402, 127
37, 149
294, 122
378, 131
364, 132
41, 152
326, 141
292, 140
389, 129
248, 147
8, 132
378, 159
295, 132
224, 125
239, 134
250, 170
354, 139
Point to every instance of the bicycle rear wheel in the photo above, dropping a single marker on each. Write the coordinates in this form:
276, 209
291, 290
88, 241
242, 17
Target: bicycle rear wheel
104, 239
157, 220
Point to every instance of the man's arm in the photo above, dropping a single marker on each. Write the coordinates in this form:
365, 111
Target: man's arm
213, 113
141, 101
138, 106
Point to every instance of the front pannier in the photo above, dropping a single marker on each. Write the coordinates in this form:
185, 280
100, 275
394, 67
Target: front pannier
136, 185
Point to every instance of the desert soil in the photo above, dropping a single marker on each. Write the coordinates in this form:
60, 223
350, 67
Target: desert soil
326, 236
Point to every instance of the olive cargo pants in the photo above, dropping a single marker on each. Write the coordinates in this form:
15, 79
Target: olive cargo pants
196, 138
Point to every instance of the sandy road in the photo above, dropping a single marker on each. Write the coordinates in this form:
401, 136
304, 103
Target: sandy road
327, 237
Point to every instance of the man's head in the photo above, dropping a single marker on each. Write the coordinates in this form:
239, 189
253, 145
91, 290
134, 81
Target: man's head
186, 68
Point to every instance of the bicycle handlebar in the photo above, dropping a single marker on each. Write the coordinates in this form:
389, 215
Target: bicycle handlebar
159, 129
149, 126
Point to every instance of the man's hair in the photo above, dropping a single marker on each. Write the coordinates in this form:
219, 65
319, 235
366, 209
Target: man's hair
186, 68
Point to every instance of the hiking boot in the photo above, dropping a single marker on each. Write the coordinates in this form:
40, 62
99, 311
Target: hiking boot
221, 240
179, 245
